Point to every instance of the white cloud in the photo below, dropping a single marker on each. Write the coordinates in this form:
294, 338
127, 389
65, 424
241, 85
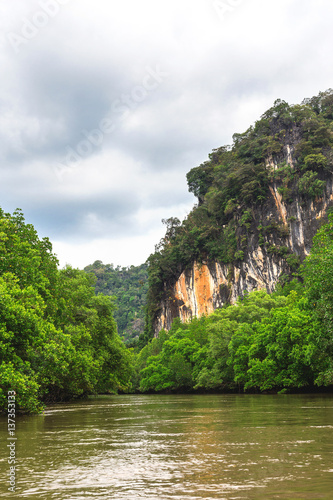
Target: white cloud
83, 64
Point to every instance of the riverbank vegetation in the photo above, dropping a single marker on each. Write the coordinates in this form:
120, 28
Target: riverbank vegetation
58, 339
263, 343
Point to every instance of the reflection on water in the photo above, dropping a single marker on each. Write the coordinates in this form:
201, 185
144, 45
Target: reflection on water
176, 447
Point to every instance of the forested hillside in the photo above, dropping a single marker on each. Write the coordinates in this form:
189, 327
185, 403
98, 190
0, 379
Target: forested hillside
266, 342
57, 338
128, 286
260, 202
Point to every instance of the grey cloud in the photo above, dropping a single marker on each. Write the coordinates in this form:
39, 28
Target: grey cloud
222, 76
74, 95
84, 219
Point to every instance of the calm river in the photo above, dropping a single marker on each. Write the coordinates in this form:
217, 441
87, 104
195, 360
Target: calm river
176, 447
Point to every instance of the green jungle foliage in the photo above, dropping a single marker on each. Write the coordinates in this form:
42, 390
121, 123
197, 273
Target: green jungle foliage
57, 338
234, 183
128, 286
263, 343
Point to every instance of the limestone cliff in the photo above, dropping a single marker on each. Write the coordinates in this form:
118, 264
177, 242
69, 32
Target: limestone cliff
260, 204
207, 286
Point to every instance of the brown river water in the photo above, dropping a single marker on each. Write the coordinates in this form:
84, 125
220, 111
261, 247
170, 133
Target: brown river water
175, 447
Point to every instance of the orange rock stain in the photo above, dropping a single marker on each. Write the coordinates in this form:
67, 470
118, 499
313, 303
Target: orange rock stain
196, 293
278, 202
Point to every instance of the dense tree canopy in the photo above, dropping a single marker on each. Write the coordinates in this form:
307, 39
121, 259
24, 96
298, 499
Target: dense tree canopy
318, 274
57, 338
262, 343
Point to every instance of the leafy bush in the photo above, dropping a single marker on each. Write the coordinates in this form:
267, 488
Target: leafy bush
309, 185
315, 161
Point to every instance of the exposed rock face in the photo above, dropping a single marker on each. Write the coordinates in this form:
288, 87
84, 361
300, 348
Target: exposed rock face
206, 286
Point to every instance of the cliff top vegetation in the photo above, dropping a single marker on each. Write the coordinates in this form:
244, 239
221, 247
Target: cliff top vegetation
290, 146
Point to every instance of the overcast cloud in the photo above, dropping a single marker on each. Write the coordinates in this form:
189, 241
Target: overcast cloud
106, 105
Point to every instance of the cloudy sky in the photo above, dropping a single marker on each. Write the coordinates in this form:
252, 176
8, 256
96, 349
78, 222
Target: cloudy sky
107, 104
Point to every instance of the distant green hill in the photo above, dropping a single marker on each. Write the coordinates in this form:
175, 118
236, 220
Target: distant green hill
129, 285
